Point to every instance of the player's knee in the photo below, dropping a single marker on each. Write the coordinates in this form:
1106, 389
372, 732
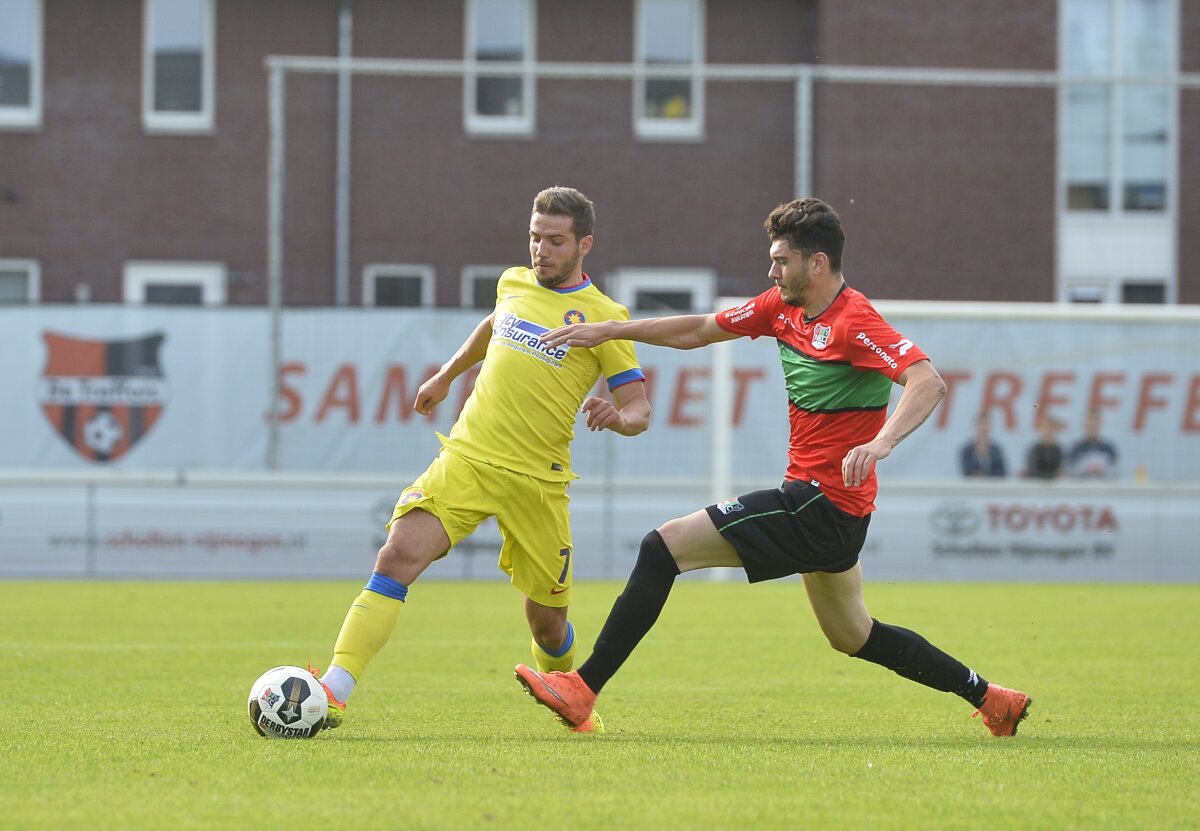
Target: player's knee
654, 549
399, 561
848, 639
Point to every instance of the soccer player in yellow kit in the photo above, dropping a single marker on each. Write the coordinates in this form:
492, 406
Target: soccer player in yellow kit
508, 453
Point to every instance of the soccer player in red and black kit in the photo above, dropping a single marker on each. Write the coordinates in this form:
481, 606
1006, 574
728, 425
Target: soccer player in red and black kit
840, 359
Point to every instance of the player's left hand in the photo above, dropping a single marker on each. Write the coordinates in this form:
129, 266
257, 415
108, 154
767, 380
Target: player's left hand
860, 461
601, 413
576, 334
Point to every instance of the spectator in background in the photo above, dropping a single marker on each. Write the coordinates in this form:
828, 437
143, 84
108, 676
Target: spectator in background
1045, 457
1092, 457
981, 456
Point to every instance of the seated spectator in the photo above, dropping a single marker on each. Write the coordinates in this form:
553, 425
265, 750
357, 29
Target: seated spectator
1045, 457
981, 456
1092, 457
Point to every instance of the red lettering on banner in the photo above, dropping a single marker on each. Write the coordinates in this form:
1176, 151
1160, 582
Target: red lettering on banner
292, 400
741, 386
342, 392
651, 376
1047, 398
395, 387
951, 379
1061, 518
1147, 400
993, 400
683, 394
1191, 408
1097, 399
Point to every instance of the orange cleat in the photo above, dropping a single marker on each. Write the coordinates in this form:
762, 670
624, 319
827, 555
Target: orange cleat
564, 693
593, 725
1003, 709
336, 712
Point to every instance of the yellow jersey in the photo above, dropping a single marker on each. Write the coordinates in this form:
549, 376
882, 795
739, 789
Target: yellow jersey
521, 413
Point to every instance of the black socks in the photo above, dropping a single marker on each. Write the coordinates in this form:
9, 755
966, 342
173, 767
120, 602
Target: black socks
633, 613
908, 654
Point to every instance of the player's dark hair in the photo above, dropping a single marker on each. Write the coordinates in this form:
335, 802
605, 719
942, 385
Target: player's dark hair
809, 226
560, 201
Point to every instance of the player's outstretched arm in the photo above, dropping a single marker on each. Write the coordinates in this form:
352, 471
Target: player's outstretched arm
473, 350
923, 389
677, 332
629, 416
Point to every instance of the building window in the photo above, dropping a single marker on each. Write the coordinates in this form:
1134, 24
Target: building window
1118, 138
1083, 291
1143, 291
20, 281
669, 33
1119, 290
172, 283
178, 65
500, 31
387, 284
479, 286
663, 290
1118, 143
20, 63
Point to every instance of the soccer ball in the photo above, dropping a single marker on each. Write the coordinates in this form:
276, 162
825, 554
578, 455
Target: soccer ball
287, 703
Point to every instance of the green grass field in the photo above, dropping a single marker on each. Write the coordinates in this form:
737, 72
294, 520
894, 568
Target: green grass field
127, 710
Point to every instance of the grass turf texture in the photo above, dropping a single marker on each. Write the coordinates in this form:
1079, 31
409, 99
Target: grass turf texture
127, 710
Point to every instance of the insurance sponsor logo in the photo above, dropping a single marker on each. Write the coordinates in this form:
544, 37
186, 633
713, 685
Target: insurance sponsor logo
517, 333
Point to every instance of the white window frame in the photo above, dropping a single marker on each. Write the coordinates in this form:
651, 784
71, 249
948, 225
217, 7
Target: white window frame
212, 277
501, 126
372, 271
30, 117
467, 283
624, 284
1107, 248
669, 129
203, 121
33, 277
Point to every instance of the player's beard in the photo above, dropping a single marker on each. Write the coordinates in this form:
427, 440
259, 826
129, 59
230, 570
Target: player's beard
795, 287
562, 275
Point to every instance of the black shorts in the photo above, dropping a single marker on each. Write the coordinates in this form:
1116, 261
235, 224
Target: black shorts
793, 529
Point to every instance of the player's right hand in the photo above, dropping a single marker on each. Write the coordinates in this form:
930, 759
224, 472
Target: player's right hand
430, 394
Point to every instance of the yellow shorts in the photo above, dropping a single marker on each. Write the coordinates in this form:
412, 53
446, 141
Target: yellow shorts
532, 514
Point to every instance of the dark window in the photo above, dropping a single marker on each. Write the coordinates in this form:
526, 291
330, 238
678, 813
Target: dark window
1143, 293
174, 294
397, 291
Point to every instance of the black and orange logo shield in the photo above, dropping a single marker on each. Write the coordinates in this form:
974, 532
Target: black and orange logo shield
102, 397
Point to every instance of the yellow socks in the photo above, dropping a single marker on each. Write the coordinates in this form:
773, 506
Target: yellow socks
369, 624
558, 660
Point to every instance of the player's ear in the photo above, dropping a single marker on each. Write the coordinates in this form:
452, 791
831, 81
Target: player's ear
585, 245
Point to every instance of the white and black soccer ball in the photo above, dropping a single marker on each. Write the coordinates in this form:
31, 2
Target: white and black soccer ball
287, 703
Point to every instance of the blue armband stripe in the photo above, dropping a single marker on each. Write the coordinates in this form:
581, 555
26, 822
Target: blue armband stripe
626, 377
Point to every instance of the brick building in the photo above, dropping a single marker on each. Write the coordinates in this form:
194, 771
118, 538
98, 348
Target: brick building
135, 140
